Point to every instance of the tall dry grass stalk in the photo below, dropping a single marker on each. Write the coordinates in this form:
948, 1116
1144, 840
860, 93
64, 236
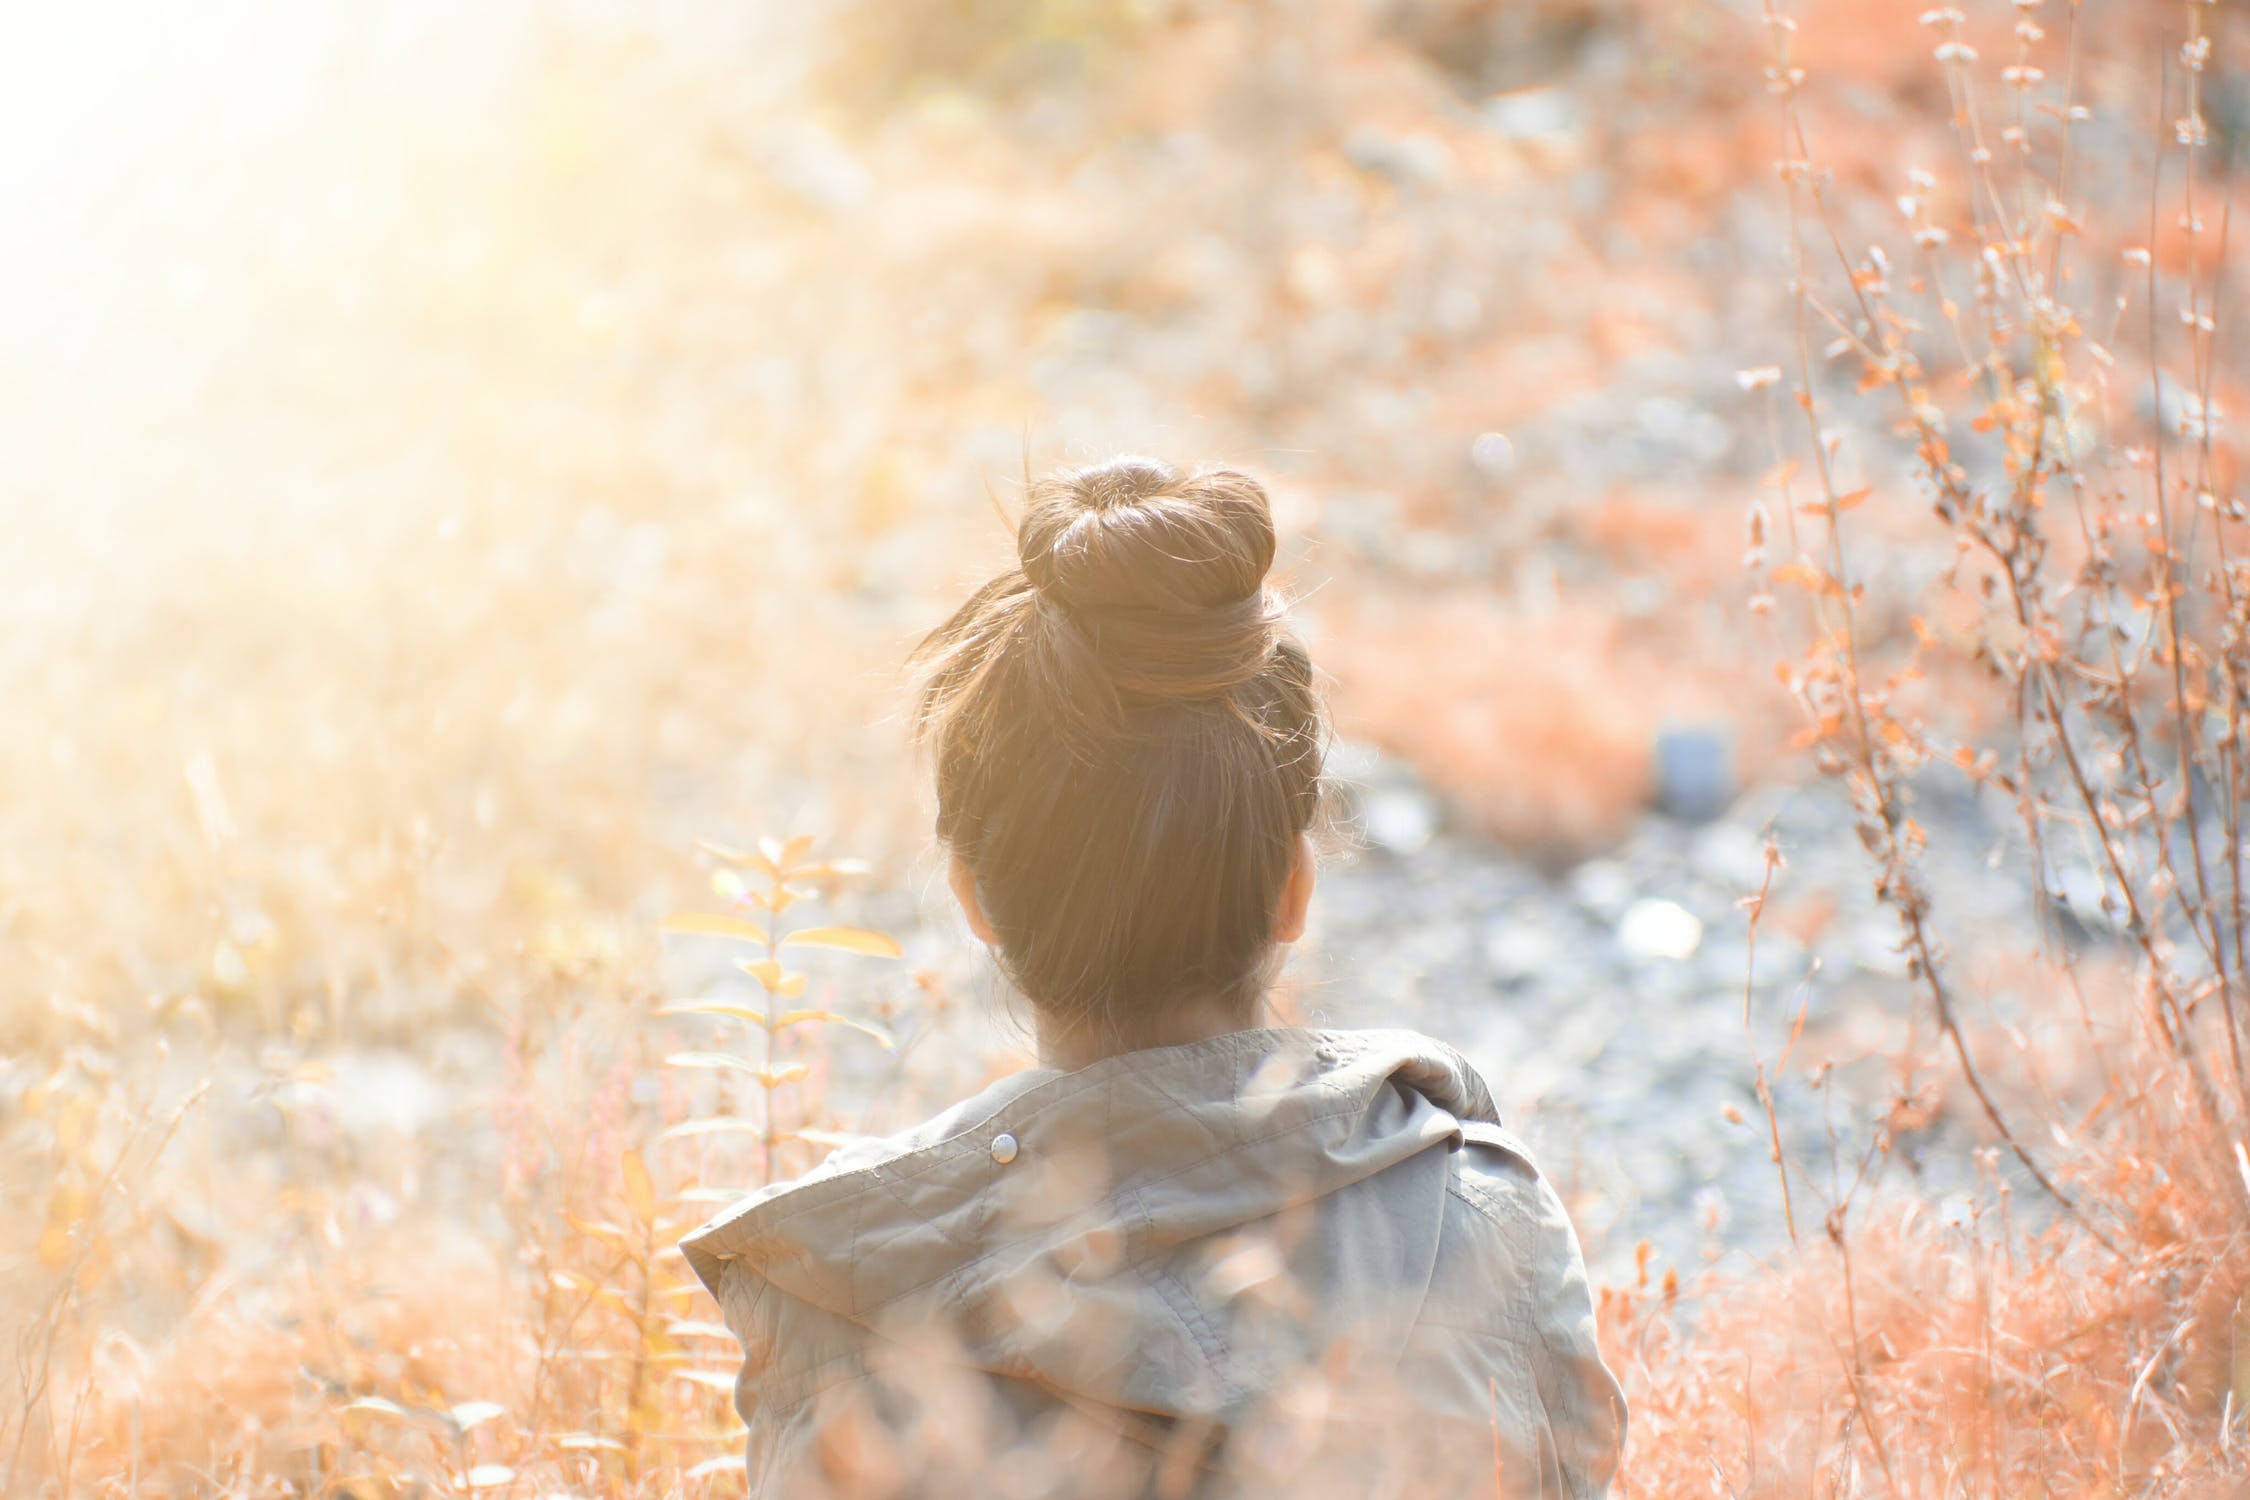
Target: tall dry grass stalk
2003, 544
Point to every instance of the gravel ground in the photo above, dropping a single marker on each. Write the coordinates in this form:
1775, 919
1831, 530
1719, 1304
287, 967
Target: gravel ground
1605, 1002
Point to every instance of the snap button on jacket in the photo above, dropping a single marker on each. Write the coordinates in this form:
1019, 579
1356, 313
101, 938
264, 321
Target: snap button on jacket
1276, 1262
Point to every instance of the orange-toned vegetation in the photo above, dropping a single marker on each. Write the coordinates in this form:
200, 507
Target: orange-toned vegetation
1537, 719
454, 500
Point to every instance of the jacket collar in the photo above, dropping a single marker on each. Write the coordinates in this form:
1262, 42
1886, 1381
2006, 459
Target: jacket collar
1163, 1145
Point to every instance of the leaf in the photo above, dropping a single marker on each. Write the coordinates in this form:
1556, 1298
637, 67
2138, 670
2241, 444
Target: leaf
709, 1060
794, 851
640, 1191
850, 939
831, 869
774, 1077
474, 1413
713, 924
768, 1074
602, 1230
2004, 635
716, 1125
54, 1247
1802, 574
829, 1138
777, 980
830, 1018
728, 1464
748, 1013
377, 1406
756, 862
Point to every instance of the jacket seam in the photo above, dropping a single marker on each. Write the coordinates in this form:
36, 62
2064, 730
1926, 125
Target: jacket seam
890, 1171
1548, 1352
976, 1260
807, 1384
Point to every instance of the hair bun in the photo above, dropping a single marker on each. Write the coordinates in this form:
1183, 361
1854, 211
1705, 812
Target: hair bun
1127, 746
1162, 574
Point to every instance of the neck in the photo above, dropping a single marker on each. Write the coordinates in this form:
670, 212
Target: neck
1199, 1019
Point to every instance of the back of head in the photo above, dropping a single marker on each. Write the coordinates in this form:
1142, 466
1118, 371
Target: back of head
1127, 744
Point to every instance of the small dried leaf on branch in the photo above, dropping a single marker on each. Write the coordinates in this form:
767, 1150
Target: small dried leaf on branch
714, 1008
713, 924
831, 869
1804, 574
470, 1414
750, 859
1835, 504
722, 1061
773, 1076
588, 1442
640, 1189
849, 939
377, 1406
777, 980
714, 1125
793, 852
829, 1138
830, 1018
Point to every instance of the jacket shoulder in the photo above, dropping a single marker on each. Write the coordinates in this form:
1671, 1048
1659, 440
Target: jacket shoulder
1509, 1321
1495, 1174
1506, 1239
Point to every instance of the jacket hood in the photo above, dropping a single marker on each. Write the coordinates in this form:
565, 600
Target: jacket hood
1159, 1231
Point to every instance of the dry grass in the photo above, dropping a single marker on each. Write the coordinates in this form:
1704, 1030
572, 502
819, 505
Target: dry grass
370, 682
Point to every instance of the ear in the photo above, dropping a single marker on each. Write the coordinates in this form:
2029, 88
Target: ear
1296, 895
964, 883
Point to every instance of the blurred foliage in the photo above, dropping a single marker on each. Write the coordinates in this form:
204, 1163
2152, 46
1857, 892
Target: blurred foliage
454, 460
885, 52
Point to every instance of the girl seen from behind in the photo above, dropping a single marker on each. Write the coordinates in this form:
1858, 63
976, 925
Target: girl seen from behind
1192, 1253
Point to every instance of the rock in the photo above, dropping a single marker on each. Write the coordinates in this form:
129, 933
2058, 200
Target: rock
1732, 855
814, 166
1653, 928
1603, 887
1549, 115
1492, 454
1383, 798
2081, 894
1409, 161
1364, 522
1517, 948
1399, 820
1694, 773
1677, 429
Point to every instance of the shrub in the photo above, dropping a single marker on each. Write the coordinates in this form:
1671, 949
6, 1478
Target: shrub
2021, 362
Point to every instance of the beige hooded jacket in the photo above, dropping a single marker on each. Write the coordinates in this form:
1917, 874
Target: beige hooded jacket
1277, 1262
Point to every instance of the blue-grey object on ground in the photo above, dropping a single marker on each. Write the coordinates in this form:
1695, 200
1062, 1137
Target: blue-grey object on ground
1694, 773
